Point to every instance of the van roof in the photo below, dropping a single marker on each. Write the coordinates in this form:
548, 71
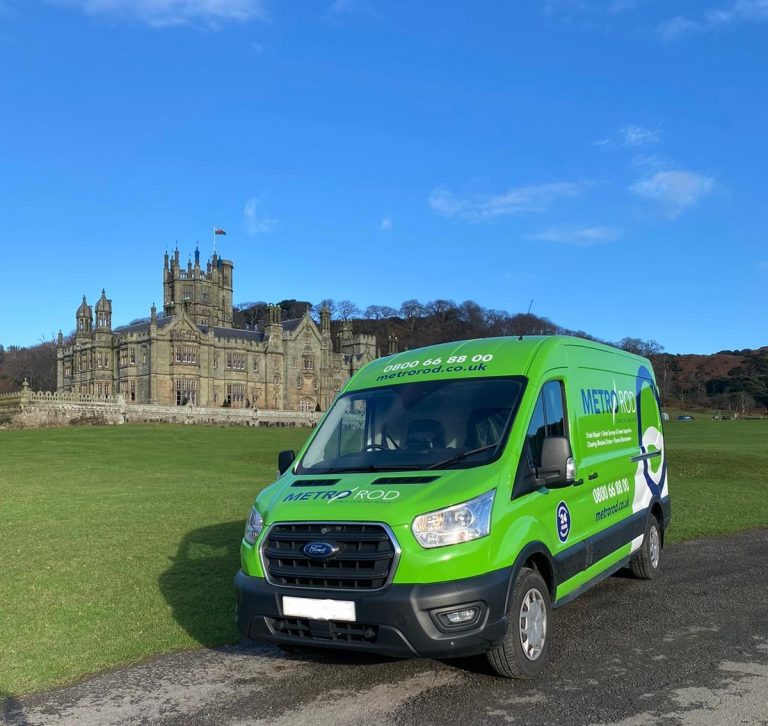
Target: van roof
501, 356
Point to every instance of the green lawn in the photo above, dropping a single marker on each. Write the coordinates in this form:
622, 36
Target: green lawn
718, 476
117, 543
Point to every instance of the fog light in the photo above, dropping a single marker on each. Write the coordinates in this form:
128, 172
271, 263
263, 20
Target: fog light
461, 616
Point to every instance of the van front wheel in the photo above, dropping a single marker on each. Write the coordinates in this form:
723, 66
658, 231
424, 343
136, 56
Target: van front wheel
645, 564
525, 649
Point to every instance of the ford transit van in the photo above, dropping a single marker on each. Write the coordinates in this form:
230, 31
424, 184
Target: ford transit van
453, 495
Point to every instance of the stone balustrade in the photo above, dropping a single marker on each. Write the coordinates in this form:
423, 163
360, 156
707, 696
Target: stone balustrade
28, 409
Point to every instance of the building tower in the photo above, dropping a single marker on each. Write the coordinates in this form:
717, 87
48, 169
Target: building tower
103, 314
205, 293
84, 319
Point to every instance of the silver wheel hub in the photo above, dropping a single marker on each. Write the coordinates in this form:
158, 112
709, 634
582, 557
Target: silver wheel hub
654, 546
533, 624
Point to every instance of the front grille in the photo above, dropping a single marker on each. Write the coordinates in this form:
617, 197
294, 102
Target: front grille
363, 559
304, 629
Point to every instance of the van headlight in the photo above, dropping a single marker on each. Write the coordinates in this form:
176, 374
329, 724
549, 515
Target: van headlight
253, 526
459, 523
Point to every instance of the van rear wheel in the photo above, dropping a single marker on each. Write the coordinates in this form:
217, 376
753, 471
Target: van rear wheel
645, 564
524, 651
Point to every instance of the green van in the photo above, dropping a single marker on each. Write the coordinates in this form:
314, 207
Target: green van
453, 495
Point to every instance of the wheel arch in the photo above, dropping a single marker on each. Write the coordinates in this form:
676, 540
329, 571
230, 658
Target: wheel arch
657, 510
537, 556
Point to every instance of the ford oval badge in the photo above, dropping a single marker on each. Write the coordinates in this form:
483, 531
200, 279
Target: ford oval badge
319, 550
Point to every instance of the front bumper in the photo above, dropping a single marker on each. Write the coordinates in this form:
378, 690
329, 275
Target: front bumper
399, 621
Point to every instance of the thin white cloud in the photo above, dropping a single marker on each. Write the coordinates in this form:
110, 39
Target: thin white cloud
578, 236
518, 200
633, 136
167, 13
738, 11
651, 162
255, 222
673, 28
620, 6
566, 8
351, 7
675, 190
386, 224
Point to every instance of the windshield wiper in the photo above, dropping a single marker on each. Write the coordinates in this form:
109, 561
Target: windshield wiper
462, 455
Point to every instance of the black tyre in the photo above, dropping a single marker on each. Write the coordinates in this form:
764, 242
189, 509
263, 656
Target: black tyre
645, 564
524, 651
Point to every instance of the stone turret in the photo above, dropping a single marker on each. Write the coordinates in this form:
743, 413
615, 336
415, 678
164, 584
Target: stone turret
273, 330
84, 318
104, 313
325, 320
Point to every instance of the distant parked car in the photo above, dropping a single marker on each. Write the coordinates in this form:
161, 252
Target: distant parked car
685, 417
664, 416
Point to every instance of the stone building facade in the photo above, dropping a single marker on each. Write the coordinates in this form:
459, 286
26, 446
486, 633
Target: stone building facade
192, 354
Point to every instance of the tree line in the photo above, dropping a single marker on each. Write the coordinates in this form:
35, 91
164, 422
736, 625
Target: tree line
735, 381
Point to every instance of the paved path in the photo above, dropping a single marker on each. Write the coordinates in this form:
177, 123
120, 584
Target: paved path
691, 648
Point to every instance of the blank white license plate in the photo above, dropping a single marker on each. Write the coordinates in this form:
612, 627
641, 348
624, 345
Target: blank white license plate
316, 609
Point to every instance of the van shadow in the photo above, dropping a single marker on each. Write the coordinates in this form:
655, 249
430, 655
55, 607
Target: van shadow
11, 711
198, 584
199, 588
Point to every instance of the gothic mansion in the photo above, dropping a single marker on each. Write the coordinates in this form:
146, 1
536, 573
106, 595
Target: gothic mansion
192, 354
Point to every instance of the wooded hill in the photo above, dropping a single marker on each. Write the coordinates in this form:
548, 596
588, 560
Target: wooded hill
731, 380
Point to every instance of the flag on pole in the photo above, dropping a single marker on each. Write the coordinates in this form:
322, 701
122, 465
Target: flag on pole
218, 230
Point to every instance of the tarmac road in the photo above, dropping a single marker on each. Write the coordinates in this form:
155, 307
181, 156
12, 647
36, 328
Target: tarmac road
690, 648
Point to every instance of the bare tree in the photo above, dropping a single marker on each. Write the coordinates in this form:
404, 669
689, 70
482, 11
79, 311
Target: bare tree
329, 303
638, 346
346, 309
37, 364
373, 312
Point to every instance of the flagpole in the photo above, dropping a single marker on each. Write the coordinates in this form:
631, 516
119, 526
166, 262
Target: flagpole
214, 240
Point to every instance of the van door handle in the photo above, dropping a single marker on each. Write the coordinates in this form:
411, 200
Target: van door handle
592, 476
646, 456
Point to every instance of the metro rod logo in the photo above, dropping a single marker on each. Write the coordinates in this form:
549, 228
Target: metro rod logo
604, 400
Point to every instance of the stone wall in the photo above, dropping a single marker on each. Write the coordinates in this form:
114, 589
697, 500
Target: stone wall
147, 413
10, 403
27, 409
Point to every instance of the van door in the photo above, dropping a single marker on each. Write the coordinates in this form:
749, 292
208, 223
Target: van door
605, 437
561, 508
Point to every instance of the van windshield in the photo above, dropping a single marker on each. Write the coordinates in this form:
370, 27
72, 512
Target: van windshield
435, 424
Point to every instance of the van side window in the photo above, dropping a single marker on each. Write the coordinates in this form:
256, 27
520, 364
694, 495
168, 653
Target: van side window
536, 431
548, 420
553, 405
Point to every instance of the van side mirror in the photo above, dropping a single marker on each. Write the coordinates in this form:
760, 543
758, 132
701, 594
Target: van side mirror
556, 468
284, 460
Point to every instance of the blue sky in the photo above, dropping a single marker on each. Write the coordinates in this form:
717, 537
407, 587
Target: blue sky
606, 159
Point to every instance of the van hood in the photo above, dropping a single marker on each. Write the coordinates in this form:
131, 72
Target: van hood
392, 497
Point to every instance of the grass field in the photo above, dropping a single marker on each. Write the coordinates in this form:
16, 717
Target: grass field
117, 543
